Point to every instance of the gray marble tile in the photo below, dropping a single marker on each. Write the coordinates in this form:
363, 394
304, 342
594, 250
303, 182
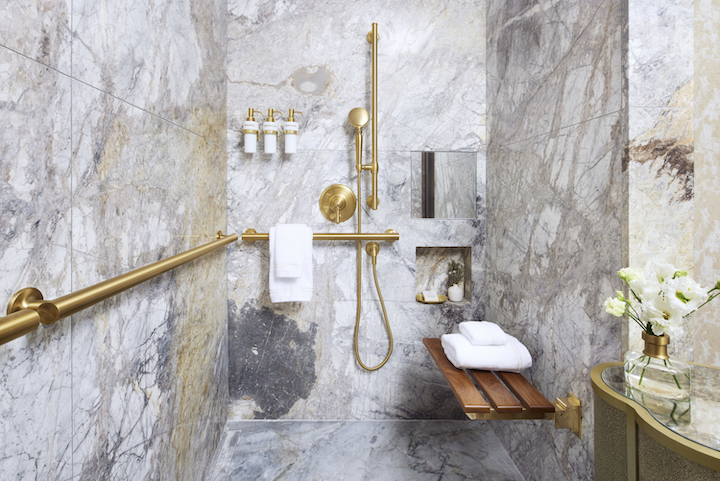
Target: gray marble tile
555, 206
660, 51
166, 58
35, 373
363, 450
551, 64
40, 31
325, 43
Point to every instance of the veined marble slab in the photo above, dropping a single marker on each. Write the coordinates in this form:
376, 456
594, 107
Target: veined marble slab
315, 58
555, 206
362, 450
35, 370
167, 59
707, 175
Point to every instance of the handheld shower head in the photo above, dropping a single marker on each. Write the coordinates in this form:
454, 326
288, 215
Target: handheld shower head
358, 117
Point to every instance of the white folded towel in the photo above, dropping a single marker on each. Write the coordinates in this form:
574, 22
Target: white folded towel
289, 249
511, 357
291, 289
483, 333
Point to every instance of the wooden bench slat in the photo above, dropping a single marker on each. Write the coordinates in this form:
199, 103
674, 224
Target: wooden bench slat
526, 393
498, 395
465, 391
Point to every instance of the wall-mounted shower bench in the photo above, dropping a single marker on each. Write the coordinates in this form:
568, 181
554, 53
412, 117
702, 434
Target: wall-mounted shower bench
513, 398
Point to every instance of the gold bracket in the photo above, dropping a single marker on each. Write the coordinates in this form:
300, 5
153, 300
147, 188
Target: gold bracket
31, 298
568, 414
249, 232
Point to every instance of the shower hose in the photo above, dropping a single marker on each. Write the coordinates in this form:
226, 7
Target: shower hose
373, 253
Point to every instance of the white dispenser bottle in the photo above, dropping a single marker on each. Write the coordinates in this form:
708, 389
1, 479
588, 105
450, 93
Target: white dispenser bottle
250, 131
291, 132
270, 130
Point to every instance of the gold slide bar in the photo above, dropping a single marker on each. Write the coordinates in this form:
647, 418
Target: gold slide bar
27, 308
389, 235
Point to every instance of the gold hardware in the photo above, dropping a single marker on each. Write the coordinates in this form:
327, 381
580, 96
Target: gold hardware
27, 308
358, 118
291, 117
251, 113
270, 114
373, 249
251, 118
337, 203
656, 346
391, 235
373, 38
291, 132
568, 414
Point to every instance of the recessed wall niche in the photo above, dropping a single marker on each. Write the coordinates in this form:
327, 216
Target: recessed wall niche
444, 185
432, 265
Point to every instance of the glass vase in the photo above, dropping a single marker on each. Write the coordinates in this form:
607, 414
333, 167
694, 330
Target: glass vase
655, 373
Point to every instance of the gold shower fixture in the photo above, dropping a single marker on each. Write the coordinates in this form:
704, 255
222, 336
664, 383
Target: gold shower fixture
337, 203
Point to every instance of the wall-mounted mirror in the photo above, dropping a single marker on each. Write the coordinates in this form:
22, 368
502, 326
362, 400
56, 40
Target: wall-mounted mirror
444, 185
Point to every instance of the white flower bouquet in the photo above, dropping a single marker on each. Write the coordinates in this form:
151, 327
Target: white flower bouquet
663, 296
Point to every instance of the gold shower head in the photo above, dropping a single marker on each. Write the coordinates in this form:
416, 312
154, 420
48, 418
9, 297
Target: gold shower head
358, 117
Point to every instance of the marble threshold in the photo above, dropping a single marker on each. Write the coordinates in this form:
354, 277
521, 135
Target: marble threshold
361, 450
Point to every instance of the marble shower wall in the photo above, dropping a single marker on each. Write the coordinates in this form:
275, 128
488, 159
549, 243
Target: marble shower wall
660, 150
556, 132
112, 156
295, 360
707, 174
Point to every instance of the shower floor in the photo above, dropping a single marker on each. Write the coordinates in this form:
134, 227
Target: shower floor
361, 450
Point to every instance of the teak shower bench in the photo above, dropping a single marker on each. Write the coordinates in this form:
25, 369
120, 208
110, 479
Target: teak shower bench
515, 399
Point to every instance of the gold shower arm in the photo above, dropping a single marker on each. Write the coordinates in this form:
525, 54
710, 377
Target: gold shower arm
27, 308
389, 235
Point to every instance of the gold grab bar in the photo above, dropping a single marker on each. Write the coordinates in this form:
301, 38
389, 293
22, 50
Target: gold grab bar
27, 308
389, 235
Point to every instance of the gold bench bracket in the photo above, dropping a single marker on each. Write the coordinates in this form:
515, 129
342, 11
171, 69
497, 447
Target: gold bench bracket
568, 414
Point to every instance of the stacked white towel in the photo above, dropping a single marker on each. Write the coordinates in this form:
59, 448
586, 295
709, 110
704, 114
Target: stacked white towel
483, 333
291, 266
510, 356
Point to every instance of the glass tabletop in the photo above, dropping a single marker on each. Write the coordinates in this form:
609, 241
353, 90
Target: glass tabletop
697, 419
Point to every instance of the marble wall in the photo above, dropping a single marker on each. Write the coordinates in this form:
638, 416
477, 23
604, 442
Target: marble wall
660, 149
296, 360
557, 120
112, 156
707, 174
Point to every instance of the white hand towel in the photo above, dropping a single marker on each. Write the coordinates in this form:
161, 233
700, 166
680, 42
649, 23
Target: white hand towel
292, 289
511, 357
483, 333
289, 249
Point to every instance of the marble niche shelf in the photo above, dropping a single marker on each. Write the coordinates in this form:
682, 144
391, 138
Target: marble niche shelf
431, 270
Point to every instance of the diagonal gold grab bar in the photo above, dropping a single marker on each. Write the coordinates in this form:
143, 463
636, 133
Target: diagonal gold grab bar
389, 235
27, 308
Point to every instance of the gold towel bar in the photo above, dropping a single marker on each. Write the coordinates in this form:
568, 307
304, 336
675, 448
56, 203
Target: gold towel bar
27, 308
389, 235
